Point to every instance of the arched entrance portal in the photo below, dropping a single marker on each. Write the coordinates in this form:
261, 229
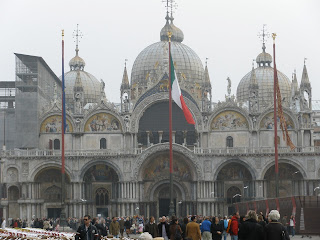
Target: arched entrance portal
290, 181
100, 189
162, 197
155, 175
235, 184
48, 182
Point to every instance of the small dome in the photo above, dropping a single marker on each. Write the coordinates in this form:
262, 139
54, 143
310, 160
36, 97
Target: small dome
77, 63
264, 58
177, 34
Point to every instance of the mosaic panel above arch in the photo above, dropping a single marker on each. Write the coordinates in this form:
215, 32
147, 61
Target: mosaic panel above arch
101, 173
229, 120
159, 167
102, 122
52, 124
267, 122
234, 171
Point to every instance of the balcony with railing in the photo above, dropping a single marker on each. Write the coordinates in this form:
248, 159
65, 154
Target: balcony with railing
136, 151
255, 150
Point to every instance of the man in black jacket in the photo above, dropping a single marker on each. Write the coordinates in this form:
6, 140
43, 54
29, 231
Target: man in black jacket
87, 231
163, 228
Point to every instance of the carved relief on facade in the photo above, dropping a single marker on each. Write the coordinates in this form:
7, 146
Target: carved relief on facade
25, 168
53, 123
207, 166
102, 122
229, 120
12, 174
126, 166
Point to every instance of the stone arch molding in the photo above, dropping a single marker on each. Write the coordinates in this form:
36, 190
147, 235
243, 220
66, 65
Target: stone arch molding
109, 163
159, 97
152, 188
165, 147
224, 163
230, 108
42, 166
270, 163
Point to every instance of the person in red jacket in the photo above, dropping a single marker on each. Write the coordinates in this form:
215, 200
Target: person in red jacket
234, 226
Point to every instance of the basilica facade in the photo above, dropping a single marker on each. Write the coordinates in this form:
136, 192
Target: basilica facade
117, 155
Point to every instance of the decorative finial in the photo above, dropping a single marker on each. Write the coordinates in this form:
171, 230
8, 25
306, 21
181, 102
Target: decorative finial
263, 35
253, 60
207, 61
169, 36
77, 34
304, 61
172, 5
274, 37
125, 62
62, 33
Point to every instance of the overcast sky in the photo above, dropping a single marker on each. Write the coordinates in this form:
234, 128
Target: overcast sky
225, 31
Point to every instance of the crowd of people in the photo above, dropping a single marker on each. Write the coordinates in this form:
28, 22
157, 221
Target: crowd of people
253, 226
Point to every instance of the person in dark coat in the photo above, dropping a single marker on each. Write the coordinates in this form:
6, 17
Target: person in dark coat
174, 228
274, 230
152, 228
184, 227
127, 225
216, 229
87, 231
163, 228
250, 229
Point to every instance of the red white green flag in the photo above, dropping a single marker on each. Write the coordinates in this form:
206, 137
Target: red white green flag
177, 96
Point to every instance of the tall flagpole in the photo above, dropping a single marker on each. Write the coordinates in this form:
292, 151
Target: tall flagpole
275, 82
63, 120
171, 206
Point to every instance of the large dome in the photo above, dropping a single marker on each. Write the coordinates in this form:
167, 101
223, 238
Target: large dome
91, 85
151, 63
264, 77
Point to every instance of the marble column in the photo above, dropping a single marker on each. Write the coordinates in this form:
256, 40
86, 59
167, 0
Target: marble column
148, 138
160, 136
173, 136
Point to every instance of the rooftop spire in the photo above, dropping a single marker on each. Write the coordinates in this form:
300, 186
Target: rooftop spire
305, 77
77, 34
125, 79
206, 75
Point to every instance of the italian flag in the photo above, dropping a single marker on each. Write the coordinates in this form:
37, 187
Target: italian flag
177, 96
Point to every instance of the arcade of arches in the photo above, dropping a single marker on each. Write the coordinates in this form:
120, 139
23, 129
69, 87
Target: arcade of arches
102, 190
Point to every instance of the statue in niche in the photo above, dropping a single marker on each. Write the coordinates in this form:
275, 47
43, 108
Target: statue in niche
127, 123
254, 121
126, 103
